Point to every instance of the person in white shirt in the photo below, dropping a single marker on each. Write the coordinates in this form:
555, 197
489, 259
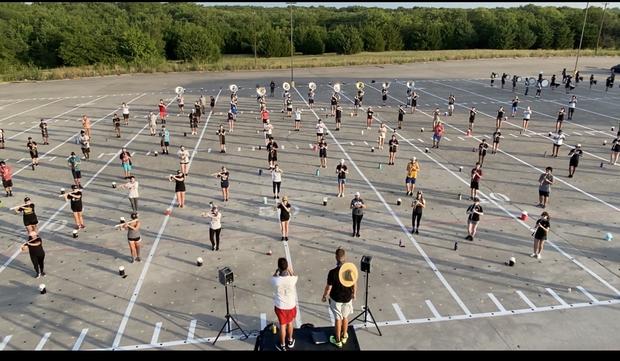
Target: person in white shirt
181, 103
527, 114
133, 187
572, 104
125, 113
184, 159
267, 130
297, 119
284, 283
320, 129
152, 118
558, 139
276, 180
215, 227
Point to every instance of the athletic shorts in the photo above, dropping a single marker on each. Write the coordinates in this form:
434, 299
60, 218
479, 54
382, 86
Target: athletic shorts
125, 116
342, 181
311, 101
126, 167
319, 134
77, 174
436, 138
167, 144
543, 193
474, 185
410, 180
472, 222
7, 183
138, 239
341, 310
285, 316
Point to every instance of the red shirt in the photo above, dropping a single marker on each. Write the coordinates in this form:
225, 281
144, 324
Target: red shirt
162, 108
265, 114
438, 129
5, 172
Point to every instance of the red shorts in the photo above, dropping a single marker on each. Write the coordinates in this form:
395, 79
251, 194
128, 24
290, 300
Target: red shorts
162, 114
286, 316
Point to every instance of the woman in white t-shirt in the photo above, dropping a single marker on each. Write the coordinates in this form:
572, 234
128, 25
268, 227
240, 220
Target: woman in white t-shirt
184, 160
125, 113
572, 104
320, 129
297, 119
267, 130
133, 187
215, 227
527, 114
558, 139
276, 180
284, 283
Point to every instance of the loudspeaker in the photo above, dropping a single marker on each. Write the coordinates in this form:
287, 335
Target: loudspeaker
365, 263
226, 276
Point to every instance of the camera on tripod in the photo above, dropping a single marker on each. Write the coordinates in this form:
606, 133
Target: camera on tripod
226, 276
365, 263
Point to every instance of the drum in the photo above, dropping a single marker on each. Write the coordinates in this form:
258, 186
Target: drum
519, 79
532, 81
545, 83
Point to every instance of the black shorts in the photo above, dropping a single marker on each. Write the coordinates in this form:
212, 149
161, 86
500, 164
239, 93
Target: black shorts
573, 164
323, 153
272, 158
167, 144
180, 187
224, 184
543, 193
137, 239
34, 154
311, 101
7, 183
76, 208
414, 103
77, 174
474, 185
338, 120
616, 148
85, 150
125, 116
31, 220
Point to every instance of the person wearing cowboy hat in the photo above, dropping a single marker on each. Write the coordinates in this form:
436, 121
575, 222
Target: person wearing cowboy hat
341, 287
574, 155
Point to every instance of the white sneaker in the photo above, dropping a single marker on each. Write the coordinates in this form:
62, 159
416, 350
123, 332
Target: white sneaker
533, 255
538, 256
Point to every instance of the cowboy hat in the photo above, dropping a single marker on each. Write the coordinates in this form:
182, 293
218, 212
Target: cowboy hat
348, 274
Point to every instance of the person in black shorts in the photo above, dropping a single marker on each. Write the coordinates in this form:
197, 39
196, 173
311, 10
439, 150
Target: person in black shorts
311, 98
418, 205
285, 216
414, 101
333, 102
540, 234
221, 132
474, 212
133, 236
574, 155
472, 117
116, 121
34, 245
476, 175
384, 93
34, 152
323, 152
272, 87
224, 183
369, 114
29, 216
393, 143
179, 187
272, 152
500, 117
338, 117
44, 133
558, 122
401, 116
74, 163
212, 102
75, 197
198, 109
356, 104
482, 151
615, 149
497, 135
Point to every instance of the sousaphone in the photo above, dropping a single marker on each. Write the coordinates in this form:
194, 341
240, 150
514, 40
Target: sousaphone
337, 87
179, 90
233, 88
312, 86
286, 86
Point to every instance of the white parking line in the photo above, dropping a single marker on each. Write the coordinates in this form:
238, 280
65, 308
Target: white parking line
555, 295
156, 331
399, 312
29, 110
43, 341
149, 259
433, 309
526, 300
583, 290
5, 342
192, 329
499, 306
576, 133
80, 339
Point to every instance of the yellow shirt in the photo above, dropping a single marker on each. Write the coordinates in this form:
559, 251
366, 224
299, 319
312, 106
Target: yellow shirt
412, 170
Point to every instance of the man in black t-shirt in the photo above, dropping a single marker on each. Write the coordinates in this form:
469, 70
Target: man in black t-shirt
574, 154
340, 300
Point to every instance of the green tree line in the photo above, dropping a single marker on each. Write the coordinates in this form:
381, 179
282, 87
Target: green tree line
48, 35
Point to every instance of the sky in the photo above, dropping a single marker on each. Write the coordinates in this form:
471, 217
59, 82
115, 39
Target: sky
394, 5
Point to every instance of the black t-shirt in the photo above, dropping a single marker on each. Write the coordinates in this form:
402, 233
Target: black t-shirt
338, 293
32, 146
401, 114
369, 114
482, 148
561, 116
339, 113
541, 233
515, 103
285, 212
393, 145
75, 201
472, 116
474, 216
212, 102
496, 136
117, 122
273, 145
576, 153
500, 114
38, 239
341, 171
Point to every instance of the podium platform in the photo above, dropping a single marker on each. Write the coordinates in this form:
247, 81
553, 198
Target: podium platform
305, 340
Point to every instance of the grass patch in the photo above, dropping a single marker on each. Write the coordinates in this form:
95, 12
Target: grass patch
247, 62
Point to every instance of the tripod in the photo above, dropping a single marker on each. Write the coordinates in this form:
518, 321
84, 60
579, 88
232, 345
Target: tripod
228, 318
366, 310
